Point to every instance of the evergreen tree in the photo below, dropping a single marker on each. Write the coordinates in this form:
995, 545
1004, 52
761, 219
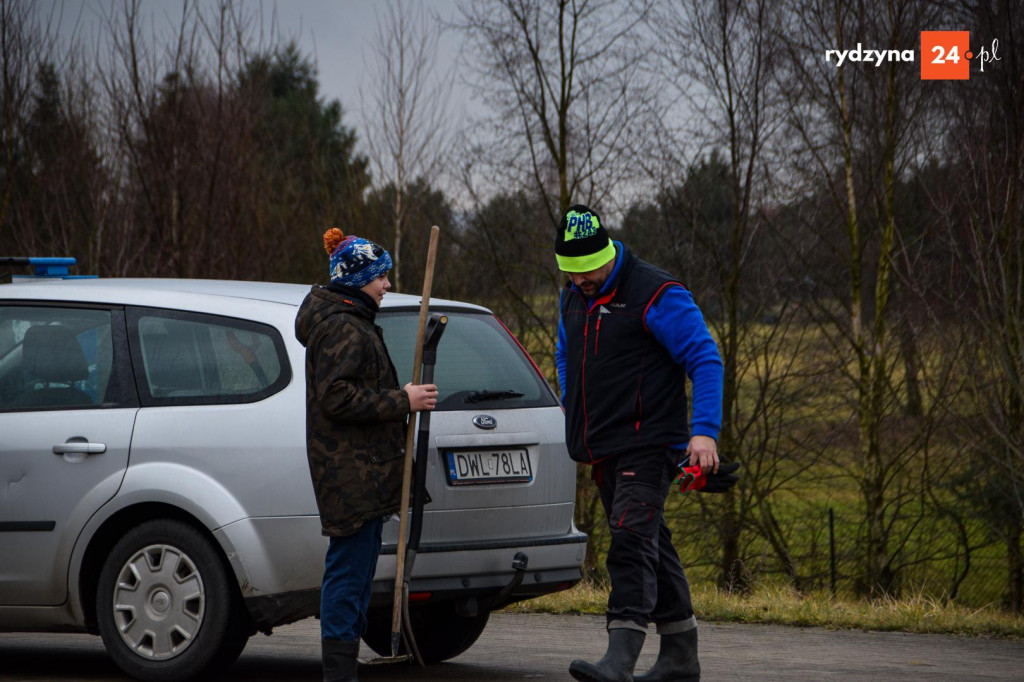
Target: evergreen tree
310, 174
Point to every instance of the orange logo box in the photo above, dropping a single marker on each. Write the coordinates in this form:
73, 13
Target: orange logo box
945, 55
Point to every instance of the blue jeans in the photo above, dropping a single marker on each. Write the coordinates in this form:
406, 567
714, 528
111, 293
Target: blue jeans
348, 574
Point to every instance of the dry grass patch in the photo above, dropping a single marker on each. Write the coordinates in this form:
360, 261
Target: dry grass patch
785, 606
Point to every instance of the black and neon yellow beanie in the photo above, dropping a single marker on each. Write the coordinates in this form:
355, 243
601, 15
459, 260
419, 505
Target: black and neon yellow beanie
582, 243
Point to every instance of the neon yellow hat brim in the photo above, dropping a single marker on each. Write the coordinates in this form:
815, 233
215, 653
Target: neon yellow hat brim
586, 263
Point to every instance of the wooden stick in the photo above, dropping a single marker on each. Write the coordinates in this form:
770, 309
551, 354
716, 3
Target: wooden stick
410, 441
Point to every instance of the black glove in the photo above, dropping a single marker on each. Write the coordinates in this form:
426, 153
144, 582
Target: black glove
723, 480
692, 478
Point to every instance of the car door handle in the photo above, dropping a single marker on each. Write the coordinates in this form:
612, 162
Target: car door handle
79, 449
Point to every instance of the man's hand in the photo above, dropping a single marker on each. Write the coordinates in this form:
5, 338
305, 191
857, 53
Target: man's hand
703, 452
421, 396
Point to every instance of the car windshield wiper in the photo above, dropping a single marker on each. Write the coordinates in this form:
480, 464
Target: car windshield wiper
480, 396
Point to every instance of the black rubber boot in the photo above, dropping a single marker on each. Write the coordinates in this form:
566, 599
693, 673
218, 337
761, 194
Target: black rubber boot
340, 660
677, 659
624, 647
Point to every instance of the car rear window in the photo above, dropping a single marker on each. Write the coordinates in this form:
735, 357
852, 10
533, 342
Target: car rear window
193, 359
478, 363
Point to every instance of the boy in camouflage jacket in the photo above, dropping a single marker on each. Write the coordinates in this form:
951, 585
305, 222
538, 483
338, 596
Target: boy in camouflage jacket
355, 434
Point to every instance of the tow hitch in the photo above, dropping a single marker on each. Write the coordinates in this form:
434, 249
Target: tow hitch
472, 606
519, 563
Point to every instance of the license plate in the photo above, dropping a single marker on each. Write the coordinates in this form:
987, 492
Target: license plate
489, 466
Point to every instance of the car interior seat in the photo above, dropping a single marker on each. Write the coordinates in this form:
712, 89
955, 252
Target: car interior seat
171, 365
53, 360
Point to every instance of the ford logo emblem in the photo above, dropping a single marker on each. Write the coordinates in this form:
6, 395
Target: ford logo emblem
485, 421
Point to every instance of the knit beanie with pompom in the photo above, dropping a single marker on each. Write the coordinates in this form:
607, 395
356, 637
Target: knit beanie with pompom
355, 262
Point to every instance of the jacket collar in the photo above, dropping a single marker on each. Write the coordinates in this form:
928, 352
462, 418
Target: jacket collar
359, 299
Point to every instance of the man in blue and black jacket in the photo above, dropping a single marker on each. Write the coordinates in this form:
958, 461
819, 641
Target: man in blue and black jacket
629, 335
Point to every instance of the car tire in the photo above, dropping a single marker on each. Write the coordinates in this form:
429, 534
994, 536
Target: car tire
167, 606
441, 632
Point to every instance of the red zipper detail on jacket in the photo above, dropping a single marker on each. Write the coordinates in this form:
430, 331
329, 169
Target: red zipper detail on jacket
583, 386
597, 336
583, 364
639, 402
601, 301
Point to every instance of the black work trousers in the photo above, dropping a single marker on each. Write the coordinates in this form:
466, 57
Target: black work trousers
648, 582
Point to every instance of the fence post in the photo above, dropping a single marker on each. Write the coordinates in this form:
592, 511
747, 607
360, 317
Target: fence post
832, 549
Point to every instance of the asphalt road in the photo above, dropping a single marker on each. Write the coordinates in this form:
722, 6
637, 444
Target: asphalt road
540, 647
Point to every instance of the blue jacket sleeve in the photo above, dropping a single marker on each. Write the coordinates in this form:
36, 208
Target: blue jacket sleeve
678, 325
560, 355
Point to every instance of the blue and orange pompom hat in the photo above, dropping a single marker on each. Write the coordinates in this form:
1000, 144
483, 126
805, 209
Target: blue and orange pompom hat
355, 262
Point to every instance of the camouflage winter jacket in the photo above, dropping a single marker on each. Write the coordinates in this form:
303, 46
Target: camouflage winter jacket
355, 411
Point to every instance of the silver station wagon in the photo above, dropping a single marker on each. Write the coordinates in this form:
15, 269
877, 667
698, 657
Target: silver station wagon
154, 487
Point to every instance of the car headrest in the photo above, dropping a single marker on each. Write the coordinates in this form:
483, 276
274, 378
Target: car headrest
171, 363
52, 354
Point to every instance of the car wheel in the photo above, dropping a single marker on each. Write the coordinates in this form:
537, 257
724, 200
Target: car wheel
440, 632
167, 606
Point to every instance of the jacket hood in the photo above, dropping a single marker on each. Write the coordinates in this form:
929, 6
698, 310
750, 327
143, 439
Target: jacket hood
323, 303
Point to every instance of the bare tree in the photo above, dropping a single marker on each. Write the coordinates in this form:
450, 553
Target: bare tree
569, 97
407, 123
177, 122
32, 97
983, 211
566, 82
20, 43
851, 128
224, 149
723, 58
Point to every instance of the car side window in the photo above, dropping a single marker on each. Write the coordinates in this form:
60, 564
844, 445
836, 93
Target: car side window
195, 359
61, 358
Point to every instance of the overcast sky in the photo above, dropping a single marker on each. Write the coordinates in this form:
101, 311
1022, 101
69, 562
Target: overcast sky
336, 33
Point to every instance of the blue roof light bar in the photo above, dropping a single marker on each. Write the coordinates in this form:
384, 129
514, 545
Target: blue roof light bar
45, 266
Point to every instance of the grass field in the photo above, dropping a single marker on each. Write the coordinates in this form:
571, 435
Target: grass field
944, 513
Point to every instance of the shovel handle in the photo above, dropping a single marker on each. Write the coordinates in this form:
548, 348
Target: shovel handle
403, 519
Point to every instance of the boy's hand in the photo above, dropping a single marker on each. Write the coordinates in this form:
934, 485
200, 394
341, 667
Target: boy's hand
421, 396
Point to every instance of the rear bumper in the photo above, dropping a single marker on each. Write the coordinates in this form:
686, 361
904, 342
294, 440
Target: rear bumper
472, 573
574, 539
478, 569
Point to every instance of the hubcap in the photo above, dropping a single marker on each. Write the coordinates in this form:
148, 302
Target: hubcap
159, 602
